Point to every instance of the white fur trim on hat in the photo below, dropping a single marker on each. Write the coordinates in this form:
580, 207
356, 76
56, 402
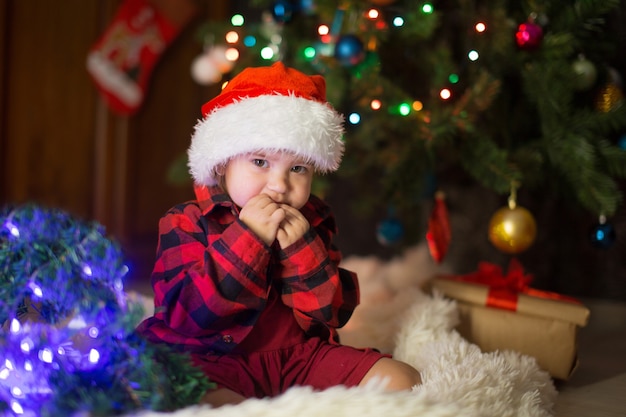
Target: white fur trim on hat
307, 128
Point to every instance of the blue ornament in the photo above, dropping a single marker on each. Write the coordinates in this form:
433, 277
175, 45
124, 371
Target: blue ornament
602, 235
349, 50
282, 11
389, 231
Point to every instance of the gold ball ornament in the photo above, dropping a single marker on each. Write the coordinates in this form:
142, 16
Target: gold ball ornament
609, 97
512, 230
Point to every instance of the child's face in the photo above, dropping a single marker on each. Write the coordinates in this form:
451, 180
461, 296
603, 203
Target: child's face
284, 177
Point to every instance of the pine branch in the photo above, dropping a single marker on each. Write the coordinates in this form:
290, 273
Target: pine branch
490, 165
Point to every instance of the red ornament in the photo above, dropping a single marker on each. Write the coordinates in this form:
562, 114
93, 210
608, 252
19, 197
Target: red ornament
438, 235
529, 35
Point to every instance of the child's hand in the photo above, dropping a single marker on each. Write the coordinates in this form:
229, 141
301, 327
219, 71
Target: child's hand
293, 226
263, 216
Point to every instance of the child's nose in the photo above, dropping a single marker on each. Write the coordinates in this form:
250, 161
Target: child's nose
277, 182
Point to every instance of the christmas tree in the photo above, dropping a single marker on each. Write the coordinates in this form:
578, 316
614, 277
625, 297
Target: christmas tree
514, 95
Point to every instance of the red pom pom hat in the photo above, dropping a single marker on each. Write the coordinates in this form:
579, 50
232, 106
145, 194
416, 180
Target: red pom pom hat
273, 108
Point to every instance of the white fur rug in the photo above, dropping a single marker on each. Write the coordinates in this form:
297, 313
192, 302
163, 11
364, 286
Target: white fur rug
396, 316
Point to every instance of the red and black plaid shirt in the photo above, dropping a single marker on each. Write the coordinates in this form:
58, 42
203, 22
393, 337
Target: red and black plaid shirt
212, 276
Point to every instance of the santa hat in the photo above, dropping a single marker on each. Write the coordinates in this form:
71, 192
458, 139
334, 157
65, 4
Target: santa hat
272, 108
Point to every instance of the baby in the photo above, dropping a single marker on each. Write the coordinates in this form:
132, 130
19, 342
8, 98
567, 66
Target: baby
247, 277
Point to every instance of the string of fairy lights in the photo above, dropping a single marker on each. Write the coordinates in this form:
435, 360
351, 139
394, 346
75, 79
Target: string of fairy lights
221, 55
68, 341
43, 258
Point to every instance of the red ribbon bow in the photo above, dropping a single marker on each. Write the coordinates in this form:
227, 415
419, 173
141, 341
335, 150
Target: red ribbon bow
505, 289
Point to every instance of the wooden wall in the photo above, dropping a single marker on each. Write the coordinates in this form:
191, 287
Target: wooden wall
60, 144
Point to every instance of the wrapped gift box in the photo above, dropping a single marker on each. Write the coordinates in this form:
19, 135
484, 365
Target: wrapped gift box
500, 312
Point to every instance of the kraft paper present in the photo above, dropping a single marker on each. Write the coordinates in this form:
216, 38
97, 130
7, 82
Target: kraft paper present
545, 328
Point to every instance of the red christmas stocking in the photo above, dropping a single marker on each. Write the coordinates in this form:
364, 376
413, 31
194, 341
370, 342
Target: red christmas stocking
122, 60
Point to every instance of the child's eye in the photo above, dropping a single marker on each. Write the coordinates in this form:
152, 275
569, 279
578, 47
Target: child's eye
299, 169
261, 163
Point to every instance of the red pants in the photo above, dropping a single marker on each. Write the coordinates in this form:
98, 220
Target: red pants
276, 355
